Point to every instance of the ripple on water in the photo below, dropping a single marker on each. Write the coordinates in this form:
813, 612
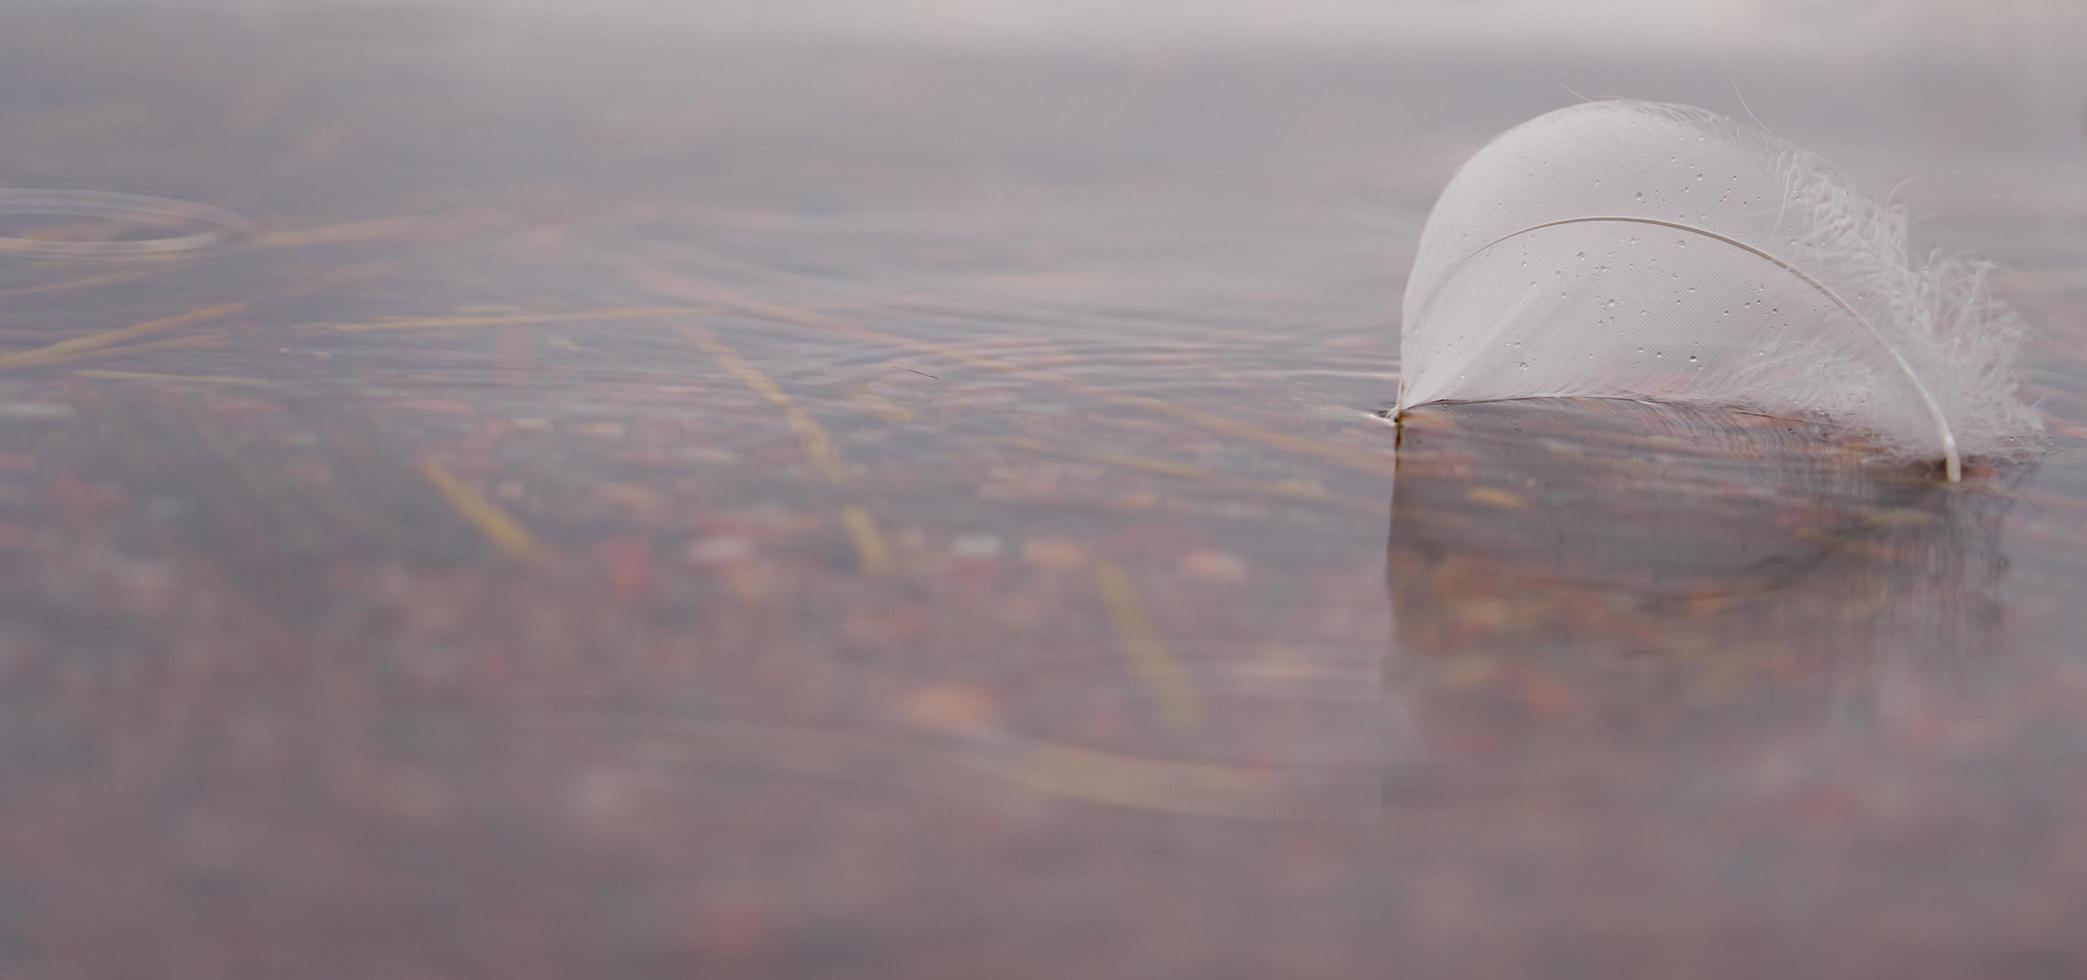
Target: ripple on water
100, 224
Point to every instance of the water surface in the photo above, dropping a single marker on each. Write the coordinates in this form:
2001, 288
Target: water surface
651, 507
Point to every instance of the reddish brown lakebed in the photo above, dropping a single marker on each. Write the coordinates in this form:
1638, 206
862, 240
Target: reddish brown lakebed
639, 508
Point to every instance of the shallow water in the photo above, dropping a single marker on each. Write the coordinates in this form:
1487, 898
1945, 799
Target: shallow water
659, 509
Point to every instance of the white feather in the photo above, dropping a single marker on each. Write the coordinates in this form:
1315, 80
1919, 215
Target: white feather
1642, 250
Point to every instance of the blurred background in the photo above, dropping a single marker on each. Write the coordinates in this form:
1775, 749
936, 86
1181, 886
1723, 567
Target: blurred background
896, 488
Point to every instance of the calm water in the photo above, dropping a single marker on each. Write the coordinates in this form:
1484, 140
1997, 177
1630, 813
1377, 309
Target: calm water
654, 506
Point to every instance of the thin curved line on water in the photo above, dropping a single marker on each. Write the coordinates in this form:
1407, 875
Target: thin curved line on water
217, 225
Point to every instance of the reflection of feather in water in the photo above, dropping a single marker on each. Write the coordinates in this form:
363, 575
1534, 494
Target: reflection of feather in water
1710, 557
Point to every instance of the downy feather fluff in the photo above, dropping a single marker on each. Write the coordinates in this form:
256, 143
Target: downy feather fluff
1644, 250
